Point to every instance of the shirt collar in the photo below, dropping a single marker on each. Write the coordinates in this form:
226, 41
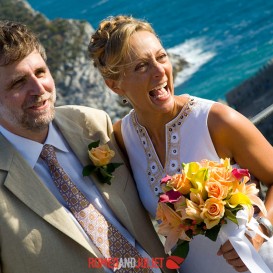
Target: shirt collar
24, 145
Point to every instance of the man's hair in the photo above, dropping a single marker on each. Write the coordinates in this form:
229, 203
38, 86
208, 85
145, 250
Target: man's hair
17, 42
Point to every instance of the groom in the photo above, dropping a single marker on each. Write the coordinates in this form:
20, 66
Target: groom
38, 232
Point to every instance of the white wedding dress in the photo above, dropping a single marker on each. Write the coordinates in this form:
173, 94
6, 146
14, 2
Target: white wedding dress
187, 139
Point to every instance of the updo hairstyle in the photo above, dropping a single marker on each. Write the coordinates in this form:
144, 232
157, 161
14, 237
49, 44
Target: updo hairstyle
109, 45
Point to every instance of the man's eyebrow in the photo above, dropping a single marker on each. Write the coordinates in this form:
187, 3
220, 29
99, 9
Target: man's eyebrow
15, 79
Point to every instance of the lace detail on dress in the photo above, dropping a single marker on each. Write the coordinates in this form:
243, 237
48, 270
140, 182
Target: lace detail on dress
155, 171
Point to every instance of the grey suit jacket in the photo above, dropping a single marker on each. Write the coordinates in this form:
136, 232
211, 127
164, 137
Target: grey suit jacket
36, 233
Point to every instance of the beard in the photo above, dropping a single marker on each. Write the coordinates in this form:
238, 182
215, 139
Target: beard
39, 123
22, 118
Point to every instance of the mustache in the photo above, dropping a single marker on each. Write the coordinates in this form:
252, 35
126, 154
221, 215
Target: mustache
34, 100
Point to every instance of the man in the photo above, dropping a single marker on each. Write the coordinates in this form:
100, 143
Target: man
38, 232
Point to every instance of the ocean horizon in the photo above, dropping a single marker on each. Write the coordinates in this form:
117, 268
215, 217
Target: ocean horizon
225, 41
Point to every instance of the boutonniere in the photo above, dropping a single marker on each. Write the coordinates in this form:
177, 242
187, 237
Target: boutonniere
101, 156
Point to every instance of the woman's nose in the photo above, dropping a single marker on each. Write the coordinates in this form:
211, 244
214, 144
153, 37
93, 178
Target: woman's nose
158, 70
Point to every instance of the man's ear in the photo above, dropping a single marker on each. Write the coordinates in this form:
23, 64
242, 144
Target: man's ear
113, 85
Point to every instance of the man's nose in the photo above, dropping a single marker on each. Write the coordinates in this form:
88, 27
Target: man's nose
36, 87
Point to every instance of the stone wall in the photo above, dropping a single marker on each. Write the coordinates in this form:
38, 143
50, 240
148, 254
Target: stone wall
254, 99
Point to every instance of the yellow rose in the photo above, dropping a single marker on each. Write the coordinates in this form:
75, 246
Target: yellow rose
179, 182
213, 211
101, 155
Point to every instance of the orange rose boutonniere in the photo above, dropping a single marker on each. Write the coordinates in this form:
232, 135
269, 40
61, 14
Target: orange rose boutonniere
101, 156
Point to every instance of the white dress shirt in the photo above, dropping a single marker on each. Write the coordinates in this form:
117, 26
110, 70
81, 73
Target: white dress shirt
73, 168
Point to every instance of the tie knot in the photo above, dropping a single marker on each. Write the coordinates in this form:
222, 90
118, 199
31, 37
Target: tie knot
48, 153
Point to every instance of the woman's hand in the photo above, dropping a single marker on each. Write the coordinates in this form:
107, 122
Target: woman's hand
231, 257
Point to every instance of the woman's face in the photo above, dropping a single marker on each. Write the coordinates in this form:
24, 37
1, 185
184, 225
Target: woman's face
148, 81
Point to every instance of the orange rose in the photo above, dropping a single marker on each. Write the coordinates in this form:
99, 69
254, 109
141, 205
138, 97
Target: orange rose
219, 171
101, 155
217, 190
179, 182
213, 211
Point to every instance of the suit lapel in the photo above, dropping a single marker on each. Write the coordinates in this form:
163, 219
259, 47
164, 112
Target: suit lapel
23, 182
113, 194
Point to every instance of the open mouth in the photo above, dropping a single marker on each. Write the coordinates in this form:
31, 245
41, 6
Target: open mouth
160, 92
38, 104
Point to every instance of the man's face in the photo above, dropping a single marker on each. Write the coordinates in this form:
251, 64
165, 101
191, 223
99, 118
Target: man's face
27, 96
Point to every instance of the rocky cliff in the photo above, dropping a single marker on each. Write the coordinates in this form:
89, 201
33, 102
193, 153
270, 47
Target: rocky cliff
77, 81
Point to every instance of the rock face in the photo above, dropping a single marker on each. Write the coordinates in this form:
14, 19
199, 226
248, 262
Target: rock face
66, 41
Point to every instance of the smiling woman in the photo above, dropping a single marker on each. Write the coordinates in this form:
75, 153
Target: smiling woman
163, 130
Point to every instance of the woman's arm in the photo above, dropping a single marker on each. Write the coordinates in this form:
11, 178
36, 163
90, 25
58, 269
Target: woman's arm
235, 137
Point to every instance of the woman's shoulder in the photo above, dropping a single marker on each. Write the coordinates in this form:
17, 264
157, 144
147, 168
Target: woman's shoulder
202, 101
224, 114
199, 107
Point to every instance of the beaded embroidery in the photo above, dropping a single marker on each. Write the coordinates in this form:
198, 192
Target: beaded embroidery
155, 171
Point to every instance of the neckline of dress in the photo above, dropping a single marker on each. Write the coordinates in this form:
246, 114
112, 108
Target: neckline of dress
177, 120
184, 107
155, 170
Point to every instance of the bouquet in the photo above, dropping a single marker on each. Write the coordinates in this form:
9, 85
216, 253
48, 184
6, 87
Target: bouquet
201, 199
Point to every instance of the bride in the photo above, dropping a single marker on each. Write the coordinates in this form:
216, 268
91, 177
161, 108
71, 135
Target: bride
164, 130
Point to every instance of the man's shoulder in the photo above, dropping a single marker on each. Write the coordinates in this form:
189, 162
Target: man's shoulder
78, 109
77, 112
72, 116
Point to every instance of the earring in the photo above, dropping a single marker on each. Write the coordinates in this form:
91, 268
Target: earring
124, 100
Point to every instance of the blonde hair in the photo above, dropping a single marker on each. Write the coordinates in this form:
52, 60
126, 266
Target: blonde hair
109, 45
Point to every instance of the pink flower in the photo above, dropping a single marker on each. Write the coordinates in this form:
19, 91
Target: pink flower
240, 173
170, 196
166, 179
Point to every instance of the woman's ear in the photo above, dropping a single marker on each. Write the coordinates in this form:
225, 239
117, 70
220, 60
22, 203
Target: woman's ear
113, 85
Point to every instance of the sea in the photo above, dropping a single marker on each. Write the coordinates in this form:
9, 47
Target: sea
224, 41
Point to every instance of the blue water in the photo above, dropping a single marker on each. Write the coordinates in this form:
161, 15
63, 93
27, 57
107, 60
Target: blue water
225, 41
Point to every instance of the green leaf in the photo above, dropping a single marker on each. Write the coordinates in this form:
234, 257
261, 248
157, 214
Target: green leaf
231, 216
106, 177
87, 170
182, 249
94, 144
212, 233
112, 166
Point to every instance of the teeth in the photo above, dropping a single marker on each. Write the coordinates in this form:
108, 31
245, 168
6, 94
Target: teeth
160, 86
38, 104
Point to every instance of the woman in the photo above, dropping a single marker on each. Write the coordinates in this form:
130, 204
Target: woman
164, 130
